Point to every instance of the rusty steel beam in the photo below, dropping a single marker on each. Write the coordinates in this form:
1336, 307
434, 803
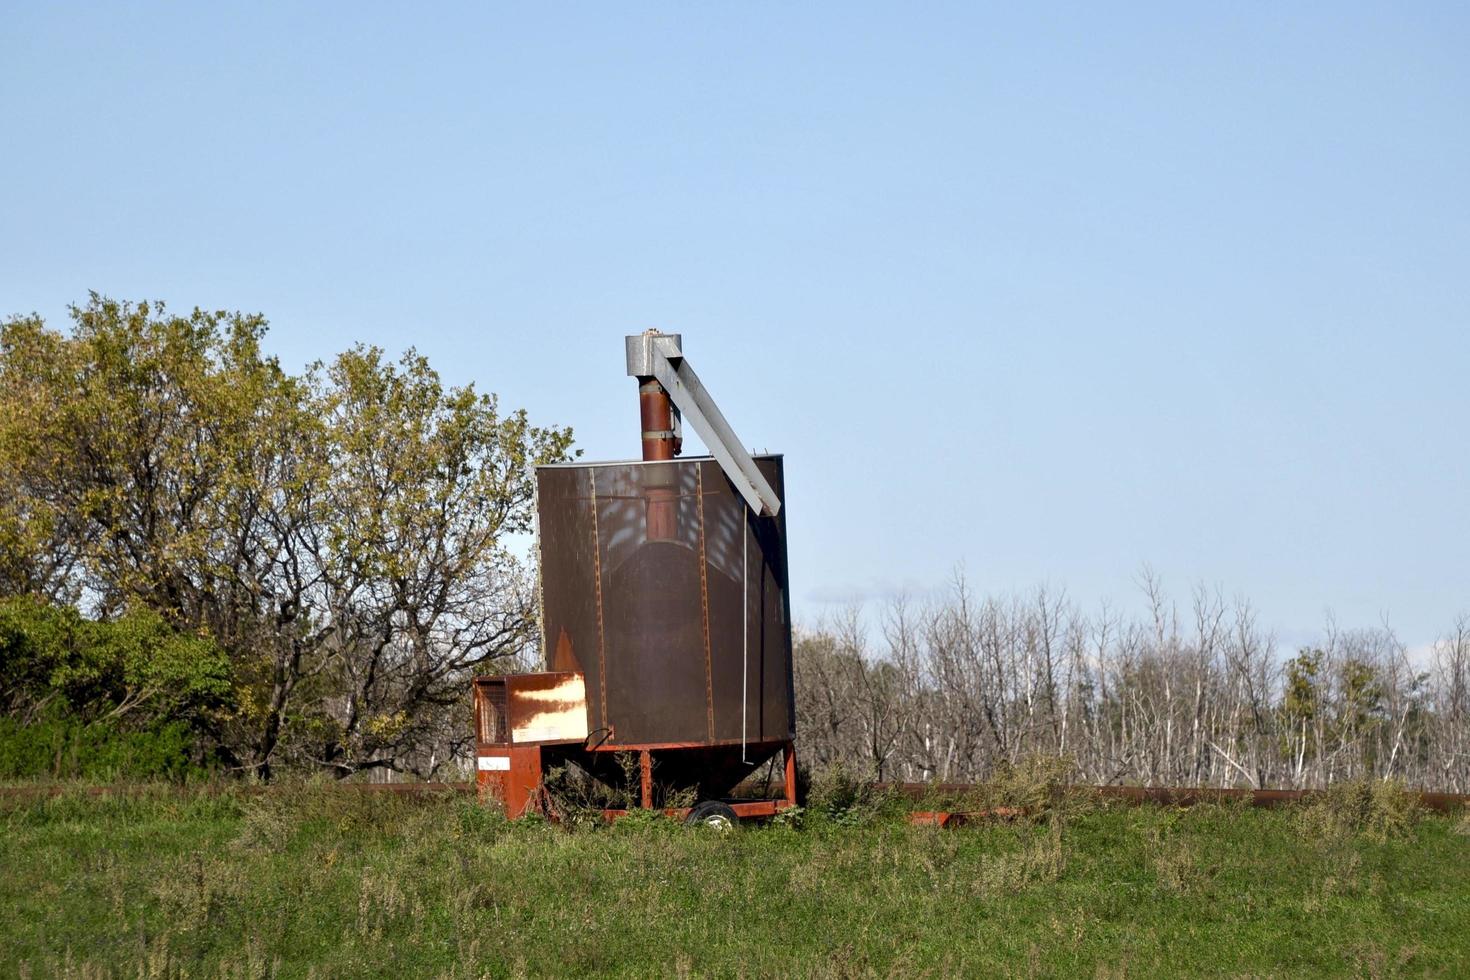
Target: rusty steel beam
789, 780
645, 778
743, 809
24, 793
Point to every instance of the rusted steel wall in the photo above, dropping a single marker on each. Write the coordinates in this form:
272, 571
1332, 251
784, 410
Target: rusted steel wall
645, 568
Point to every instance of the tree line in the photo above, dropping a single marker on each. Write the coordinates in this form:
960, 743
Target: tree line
319, 559
952, 689
208, 562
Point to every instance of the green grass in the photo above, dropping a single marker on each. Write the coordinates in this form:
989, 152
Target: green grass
311, 882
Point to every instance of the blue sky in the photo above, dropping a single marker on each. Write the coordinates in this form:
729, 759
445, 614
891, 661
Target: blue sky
1048, 291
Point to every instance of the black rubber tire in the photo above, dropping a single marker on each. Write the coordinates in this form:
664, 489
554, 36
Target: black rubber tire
712, 814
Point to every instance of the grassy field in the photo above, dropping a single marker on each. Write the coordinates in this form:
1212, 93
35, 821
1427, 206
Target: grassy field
314, 882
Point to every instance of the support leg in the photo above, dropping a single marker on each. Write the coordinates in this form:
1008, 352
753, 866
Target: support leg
645, 766
790, 753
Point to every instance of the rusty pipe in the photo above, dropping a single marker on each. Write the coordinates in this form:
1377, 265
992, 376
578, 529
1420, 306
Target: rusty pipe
656, 409
660, 443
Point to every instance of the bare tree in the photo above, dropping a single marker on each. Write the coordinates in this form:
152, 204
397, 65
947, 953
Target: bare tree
964, 684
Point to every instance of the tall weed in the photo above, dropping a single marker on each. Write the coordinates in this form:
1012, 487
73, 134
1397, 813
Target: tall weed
1379, 809
840, 796
1036, 788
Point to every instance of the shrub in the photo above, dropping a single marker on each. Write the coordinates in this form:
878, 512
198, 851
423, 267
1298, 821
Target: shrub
839, 795
1172, 855
1381, 809
59, 745
294, 808
1040, 787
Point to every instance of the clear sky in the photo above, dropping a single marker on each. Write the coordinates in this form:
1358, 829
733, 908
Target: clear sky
1049, 291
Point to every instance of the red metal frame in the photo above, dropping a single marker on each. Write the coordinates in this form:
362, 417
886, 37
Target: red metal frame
513, 776
659, 746
744, 809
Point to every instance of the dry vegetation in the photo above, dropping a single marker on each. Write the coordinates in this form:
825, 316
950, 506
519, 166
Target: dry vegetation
961, 688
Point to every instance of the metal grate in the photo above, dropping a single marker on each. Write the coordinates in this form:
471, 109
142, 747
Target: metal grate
492, 722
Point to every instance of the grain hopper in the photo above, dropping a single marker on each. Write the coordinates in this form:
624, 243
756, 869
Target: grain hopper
666, 624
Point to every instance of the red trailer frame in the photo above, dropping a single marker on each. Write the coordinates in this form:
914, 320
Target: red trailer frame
512, 771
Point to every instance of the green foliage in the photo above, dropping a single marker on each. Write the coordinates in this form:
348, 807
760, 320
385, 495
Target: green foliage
1303, 695
271, 819
578, 800
36, 640
128, 698
1319, 706
339, 534
639, 820
58, 746
1174, 855
790, 818
315, 881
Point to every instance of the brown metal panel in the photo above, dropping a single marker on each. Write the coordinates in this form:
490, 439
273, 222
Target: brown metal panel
725, 532
568, 583
509, 775
751, 548
654, 639
709, 691
668, 667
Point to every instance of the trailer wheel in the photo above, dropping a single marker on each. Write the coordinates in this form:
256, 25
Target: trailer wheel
713, 814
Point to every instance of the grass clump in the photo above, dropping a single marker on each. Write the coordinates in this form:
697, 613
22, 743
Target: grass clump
1033, 789
1174, 856
840, 797
1381, 809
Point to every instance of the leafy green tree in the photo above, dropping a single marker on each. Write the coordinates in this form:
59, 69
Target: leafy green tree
1303, 696
425, 485
341, 533
1360, 714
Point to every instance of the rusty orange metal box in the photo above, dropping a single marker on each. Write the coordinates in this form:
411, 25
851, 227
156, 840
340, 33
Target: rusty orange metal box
523, 709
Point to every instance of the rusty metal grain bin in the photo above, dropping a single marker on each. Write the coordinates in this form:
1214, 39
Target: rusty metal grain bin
669, 594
